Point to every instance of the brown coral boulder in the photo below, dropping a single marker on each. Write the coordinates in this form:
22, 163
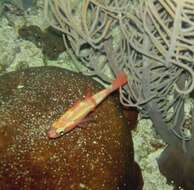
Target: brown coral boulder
96, 156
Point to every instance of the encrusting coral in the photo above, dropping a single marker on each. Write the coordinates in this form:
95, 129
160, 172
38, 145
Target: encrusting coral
48, 41
96, 155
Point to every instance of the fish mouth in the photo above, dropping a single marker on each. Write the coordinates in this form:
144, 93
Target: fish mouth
52, 133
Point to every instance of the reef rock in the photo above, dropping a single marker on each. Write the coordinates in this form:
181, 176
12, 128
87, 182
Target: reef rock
96, 156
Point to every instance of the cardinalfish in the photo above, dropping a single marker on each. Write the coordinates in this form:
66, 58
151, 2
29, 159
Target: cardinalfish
76, 114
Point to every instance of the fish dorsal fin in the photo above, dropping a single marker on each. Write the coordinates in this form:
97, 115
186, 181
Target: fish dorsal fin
88, 93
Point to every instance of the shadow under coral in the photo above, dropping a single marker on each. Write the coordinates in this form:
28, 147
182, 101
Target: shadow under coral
178, 165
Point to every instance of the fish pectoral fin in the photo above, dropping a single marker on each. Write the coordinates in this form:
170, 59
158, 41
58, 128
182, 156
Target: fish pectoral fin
88, 119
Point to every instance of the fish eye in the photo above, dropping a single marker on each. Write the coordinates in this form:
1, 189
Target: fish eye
61, 133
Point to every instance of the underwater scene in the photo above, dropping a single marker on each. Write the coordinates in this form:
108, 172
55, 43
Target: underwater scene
96, 95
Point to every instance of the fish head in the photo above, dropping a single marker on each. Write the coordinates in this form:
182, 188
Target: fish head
54, 133
64, 124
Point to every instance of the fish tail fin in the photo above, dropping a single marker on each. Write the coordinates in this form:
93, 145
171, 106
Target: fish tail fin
120, 80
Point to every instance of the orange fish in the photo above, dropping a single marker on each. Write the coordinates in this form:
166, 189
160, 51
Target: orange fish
75, 115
